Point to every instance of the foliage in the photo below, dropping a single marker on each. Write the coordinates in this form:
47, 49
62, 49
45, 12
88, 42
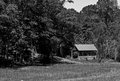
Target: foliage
45, 28
33, 25
102, 21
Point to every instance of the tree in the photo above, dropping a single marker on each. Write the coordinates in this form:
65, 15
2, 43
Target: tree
26, 24
99, 20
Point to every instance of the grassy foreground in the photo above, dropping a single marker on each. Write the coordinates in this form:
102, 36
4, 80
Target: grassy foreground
63, 72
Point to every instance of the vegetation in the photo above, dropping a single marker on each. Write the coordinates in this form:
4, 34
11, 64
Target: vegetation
44, 28
101, 72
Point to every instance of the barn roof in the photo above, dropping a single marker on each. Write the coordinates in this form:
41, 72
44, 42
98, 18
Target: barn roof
85, 47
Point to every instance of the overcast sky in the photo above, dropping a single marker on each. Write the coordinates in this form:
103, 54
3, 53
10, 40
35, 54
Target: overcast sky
79, 4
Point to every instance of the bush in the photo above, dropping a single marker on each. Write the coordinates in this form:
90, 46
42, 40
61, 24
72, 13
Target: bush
75, 55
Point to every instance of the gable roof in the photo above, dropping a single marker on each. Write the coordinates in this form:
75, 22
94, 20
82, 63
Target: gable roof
85, 47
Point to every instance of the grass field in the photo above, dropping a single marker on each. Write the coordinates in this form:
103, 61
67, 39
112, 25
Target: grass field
63, 72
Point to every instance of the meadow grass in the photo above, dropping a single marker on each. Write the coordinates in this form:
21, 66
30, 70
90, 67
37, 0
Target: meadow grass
62, 72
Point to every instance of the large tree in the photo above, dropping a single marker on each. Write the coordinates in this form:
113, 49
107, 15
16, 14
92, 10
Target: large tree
33, 25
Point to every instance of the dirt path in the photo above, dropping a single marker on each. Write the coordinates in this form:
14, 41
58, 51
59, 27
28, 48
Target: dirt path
64, 60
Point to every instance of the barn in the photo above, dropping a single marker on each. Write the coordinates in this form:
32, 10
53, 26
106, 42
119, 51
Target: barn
85, 51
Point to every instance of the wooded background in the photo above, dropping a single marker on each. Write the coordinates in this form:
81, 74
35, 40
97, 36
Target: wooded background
47, 28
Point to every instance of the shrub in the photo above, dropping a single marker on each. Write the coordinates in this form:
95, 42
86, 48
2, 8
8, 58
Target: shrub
75, 55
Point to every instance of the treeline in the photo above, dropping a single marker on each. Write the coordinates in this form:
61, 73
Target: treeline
101, 26
44, 28
35, 28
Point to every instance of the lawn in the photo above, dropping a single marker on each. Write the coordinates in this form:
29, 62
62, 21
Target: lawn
63, 72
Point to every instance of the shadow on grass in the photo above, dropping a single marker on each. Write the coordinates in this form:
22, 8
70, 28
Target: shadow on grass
17, 66
11, 65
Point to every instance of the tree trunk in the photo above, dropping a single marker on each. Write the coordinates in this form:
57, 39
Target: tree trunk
61, 51
115, 58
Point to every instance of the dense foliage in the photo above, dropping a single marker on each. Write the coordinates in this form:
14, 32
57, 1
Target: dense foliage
43, 28
31, 28
101, 21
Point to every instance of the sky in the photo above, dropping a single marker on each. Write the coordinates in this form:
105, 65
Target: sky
79, 4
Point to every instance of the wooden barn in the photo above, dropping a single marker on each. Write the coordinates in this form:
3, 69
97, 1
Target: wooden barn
85, 51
